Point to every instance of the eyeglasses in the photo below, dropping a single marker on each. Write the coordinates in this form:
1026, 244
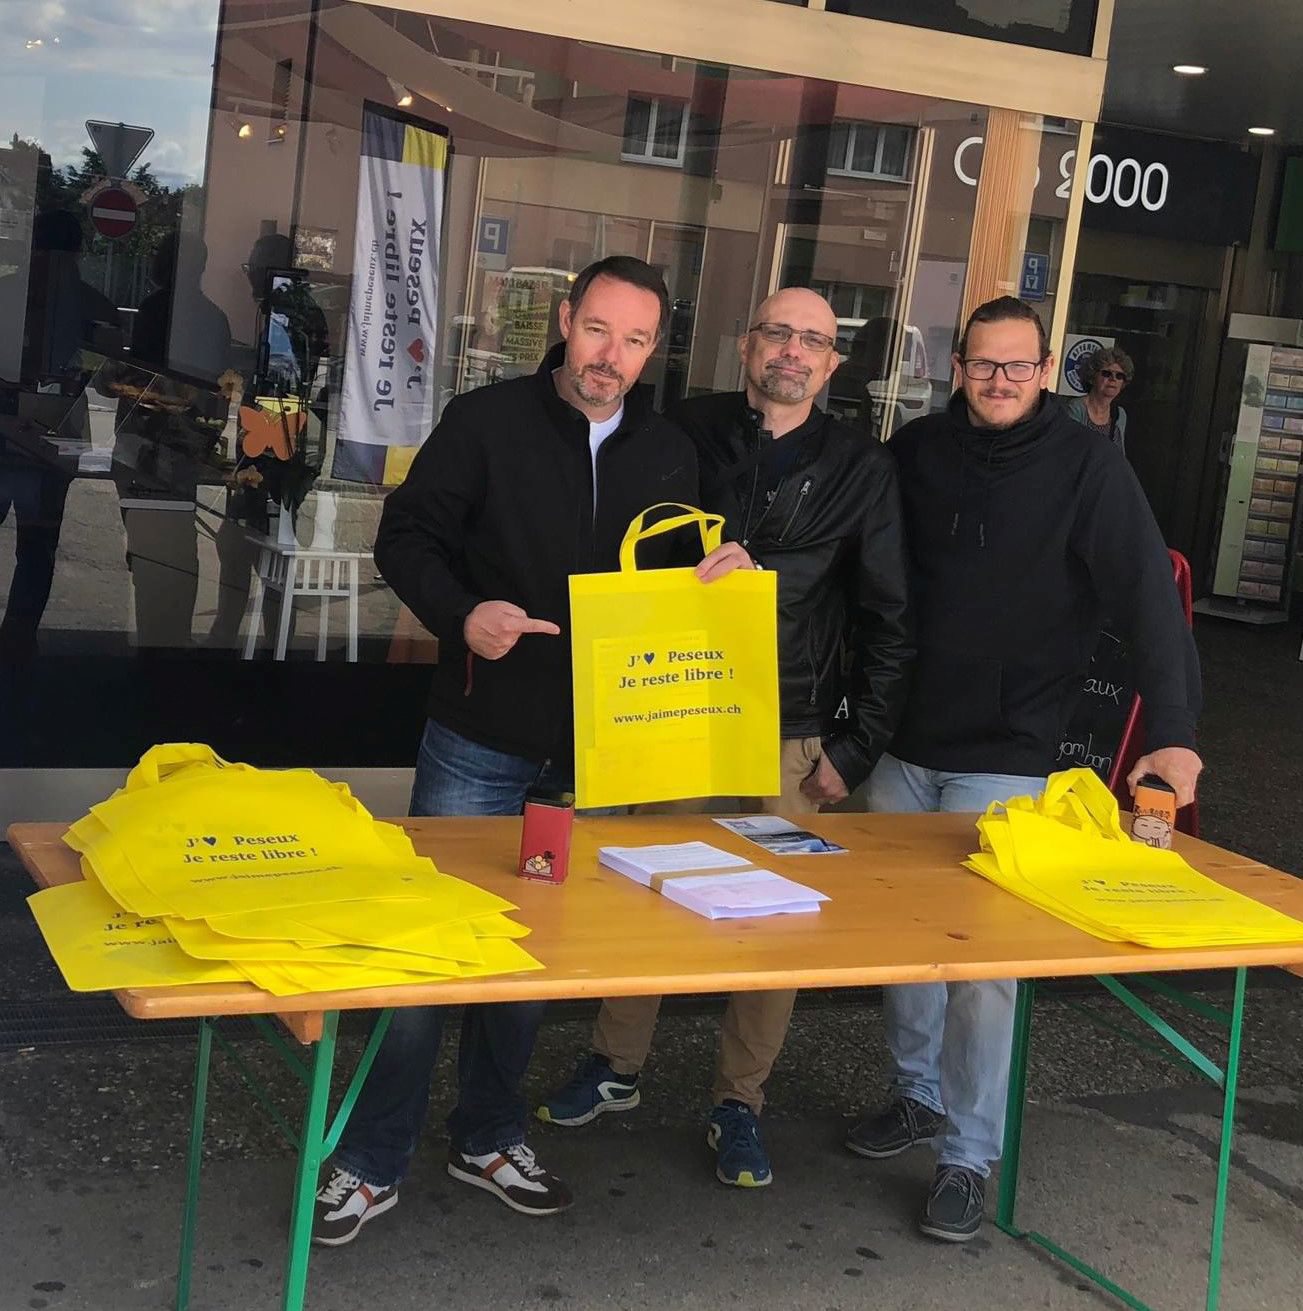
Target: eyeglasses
1013, 370
781, 333
1115, 374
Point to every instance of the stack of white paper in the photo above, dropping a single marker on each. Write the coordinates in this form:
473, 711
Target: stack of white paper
753, 893
642, 864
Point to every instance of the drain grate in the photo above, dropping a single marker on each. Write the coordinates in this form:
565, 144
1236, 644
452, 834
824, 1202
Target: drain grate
47, 1021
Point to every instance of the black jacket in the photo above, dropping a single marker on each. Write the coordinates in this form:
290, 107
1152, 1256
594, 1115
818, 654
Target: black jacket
1020, 541
833, 533
498, 506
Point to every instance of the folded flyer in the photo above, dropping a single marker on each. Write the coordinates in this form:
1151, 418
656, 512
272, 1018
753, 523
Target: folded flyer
780, 837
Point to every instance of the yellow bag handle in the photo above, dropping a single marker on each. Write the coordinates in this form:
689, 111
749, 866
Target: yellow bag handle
1083, 793
711, 527
166, 758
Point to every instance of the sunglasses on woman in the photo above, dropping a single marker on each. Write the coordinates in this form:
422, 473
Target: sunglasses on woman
1115, 374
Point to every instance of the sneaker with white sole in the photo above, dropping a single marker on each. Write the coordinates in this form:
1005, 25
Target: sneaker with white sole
594, 1089
953, 1210
344, 1204
902, 1124
514, 1177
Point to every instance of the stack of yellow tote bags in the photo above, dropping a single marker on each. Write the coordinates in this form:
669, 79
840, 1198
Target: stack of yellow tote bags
199, 871
1066, 852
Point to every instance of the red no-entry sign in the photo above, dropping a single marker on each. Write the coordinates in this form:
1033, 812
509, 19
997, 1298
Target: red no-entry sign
113, 213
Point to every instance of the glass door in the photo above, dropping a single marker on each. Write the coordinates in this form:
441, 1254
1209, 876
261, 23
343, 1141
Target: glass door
1159, 324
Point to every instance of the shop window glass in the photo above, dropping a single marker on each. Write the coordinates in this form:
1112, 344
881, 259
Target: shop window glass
180, 343
1066, 25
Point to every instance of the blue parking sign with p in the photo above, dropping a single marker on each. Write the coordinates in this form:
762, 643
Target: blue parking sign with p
493, 235
1035, 276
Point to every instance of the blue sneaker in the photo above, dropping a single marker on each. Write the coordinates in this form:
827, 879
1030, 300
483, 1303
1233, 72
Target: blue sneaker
593, 1089
734, 1132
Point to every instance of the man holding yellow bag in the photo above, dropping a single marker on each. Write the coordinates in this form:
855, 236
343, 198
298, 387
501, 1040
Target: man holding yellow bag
815, 501
520, 485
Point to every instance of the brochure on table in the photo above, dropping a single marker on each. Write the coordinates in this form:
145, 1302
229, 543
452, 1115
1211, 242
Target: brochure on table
780, 837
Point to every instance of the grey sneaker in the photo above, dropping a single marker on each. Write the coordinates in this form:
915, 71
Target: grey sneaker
953, 1210
344, 1204
889, 1132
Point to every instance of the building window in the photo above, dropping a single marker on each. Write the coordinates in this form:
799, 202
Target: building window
655, 131
870, 150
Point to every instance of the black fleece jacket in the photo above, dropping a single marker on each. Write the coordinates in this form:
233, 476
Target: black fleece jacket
498, 506
1020, 541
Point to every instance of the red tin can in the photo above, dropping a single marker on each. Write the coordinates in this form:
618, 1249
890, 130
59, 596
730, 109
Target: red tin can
545, 836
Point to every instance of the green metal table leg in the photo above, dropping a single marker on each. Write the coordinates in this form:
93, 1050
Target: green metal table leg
349, 1100
1017, 1099
312, 1151
193, 1160
1226, 1078
1229, 1084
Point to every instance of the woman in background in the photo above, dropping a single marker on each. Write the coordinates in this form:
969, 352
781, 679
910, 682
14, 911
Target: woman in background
1105, 374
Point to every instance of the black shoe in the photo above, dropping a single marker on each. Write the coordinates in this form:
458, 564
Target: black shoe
894, 1130
953, 1210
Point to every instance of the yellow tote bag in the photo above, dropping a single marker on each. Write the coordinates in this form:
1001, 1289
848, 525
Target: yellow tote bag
676, 681
1067, 852
206, 840
96, 944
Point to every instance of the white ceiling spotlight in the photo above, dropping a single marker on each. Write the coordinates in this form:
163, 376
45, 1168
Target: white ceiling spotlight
1189, 70
1262, 131
402, 96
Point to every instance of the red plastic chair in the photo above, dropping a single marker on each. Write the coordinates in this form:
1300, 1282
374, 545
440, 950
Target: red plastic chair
1132, 745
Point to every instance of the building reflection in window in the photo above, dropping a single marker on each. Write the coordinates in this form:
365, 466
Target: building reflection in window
174, 390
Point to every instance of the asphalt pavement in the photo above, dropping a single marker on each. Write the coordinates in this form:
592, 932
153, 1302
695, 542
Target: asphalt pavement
1118, 1163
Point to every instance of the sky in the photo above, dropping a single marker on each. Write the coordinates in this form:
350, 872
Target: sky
146, 62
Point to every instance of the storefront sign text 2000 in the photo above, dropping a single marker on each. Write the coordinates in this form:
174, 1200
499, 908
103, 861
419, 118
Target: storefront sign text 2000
1125, 182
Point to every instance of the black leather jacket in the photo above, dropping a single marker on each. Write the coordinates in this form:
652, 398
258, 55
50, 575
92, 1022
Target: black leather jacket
834, 534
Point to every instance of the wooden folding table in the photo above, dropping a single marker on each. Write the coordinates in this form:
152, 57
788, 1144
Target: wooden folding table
901, 910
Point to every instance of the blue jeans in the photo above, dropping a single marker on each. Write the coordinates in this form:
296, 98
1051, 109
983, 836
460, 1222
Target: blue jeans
950, 1042
453, 777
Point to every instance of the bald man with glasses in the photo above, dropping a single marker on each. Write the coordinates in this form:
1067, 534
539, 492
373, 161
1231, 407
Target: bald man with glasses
814, 500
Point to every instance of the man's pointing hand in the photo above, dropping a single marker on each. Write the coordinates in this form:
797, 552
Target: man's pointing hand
494, 627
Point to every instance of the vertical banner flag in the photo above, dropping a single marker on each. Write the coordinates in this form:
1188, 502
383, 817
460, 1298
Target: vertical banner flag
390, 377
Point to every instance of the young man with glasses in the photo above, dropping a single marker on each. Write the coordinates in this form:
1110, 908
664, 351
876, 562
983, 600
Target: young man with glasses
1021, 535
814, 500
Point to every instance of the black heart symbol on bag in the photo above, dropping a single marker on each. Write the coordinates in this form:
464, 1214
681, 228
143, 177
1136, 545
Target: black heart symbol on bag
649, 656
212, 842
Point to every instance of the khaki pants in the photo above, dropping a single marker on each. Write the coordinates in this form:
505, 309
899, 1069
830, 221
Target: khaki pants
755, 1023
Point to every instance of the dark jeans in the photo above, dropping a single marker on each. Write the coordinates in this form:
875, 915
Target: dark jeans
36, 495
453, 777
